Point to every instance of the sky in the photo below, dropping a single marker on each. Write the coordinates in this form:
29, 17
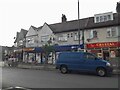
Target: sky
21, 14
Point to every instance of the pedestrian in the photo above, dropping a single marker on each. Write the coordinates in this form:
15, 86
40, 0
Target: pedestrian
33, 60
10, 61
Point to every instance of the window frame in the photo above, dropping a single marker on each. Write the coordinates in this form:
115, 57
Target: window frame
103, 17
92, 35
45, 38
76, 36
111, 30
63, 38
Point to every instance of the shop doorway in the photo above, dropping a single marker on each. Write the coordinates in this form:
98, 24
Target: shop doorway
106, 55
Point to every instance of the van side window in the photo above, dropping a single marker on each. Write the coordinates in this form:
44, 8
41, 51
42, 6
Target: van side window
74, 56
89, 56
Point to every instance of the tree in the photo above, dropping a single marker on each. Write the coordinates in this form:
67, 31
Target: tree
47, 49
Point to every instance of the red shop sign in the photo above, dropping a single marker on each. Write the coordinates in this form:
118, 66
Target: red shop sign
104, 44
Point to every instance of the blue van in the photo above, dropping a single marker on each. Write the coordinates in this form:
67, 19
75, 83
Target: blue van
82, 61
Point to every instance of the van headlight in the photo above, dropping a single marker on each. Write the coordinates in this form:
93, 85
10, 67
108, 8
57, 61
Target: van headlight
108, 64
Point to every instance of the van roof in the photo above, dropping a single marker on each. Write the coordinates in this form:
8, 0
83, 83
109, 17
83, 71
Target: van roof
72, 52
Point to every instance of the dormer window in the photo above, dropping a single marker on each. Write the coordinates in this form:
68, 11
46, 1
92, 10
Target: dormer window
97, 19
109, 17
103, 17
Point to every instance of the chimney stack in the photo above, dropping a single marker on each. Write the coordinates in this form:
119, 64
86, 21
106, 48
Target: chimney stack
118, 7
64, 19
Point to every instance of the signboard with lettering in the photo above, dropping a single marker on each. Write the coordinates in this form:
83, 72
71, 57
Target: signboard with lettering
103, 45
28, 49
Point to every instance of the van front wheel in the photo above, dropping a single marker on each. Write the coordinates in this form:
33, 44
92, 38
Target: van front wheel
101, 72
63, 69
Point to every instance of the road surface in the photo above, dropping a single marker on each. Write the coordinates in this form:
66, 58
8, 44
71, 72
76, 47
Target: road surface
54, 79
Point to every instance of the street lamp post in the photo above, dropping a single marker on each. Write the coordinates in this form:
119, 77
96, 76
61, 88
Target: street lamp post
78, 24
79, 28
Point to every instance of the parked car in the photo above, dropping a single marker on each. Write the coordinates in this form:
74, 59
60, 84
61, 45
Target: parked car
82, 61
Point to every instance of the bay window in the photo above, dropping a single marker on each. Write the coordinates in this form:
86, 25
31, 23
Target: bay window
45, 38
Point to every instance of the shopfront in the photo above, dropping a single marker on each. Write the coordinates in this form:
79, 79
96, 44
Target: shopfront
18, 54
36, 53
32, 54
105, 50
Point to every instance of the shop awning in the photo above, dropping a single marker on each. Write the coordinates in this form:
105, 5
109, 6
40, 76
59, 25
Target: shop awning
38, 49
57, 48
33, 50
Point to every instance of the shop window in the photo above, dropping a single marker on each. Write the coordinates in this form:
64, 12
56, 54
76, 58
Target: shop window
118, 53
112, 54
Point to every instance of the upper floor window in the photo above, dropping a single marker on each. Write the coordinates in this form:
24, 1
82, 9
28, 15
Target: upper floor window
30, 40
76, 36
112, 32
63, 37
21, 42
93, 34
68, 35
44, 38
71, 34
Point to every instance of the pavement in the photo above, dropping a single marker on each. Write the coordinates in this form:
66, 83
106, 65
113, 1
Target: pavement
37, 67
116, 70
